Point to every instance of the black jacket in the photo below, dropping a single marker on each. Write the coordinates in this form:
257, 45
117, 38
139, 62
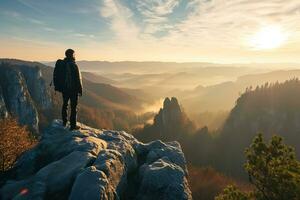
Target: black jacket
73, 81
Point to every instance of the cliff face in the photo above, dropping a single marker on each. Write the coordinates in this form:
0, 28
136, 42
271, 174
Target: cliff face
22, 93
36, 85
17, 98
3, 110
98, 164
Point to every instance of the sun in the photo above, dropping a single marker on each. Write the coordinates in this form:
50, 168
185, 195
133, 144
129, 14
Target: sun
268, 37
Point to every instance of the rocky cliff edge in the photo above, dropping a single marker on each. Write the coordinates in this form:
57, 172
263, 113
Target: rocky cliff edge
98, 164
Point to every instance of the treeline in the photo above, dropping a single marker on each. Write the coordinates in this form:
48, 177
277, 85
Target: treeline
269, 109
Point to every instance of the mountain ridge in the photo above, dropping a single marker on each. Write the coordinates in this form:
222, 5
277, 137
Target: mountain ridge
114, 107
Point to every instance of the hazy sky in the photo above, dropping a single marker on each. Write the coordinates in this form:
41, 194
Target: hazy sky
157, 30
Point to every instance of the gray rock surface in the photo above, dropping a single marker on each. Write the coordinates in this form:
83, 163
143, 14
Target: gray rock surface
36, 85
17, 98
98, 164
23, 93
159, 181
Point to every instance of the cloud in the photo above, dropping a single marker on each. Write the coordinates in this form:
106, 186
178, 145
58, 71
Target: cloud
18, 16
156, 11
120, 18
189, 30
35, 41
228, 22
49, 29
156, 14
209, 28
85, 36
36, 21
11, 13
29, 4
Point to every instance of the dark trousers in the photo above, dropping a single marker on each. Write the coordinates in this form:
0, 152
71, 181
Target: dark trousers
73, 98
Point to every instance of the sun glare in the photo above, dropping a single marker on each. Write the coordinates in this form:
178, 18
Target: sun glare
269, 37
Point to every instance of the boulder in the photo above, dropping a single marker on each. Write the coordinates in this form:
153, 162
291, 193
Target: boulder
92, 184
163, 180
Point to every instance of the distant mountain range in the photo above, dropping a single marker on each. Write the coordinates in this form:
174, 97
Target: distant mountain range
148, 67
222, 96
97, 78
166, 75
200, 87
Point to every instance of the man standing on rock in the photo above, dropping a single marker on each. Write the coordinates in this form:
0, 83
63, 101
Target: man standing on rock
67, 80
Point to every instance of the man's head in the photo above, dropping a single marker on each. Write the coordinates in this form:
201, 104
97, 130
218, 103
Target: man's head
70, 53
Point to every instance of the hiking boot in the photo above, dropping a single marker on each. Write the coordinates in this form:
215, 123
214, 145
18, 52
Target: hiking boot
72, 128
64, 123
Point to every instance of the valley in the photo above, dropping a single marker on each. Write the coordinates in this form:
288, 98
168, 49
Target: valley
213, 122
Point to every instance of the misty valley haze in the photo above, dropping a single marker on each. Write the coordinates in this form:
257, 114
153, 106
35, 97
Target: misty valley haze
238, 103
196, 85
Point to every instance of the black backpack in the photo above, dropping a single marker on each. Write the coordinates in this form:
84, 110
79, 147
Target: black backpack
59, 75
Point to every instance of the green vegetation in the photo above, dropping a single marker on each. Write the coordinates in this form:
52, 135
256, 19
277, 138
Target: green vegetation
269, 109
232, 193
273, 170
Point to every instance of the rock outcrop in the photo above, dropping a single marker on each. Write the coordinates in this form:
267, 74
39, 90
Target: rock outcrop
98, 164
171, 123
23, 93
17, 98
36, 85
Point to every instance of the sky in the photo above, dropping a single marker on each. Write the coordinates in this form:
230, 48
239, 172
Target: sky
217, 31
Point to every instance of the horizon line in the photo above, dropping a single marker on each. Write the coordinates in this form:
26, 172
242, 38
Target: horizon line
155, 61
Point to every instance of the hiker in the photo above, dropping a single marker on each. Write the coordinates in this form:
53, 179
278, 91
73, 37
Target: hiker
67, 80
